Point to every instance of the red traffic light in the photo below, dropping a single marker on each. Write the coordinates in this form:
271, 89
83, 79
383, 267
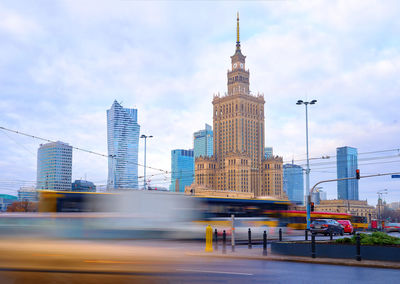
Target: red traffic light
357, 174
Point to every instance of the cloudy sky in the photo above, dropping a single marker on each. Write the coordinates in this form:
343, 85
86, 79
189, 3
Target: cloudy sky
62, 64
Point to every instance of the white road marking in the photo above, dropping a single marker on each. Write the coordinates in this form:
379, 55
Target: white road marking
217, 272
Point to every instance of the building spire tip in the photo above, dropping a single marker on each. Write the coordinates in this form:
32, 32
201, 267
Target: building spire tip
237, 32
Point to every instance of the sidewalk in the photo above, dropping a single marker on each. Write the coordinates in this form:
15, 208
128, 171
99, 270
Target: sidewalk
256, 253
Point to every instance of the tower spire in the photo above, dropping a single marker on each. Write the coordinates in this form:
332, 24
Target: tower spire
237, 33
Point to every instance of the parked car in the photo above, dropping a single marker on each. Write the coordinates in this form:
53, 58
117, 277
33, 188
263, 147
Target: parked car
326, 226
347, 226
392, 227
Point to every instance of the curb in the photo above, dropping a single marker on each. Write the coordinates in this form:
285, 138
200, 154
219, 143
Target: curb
331, 261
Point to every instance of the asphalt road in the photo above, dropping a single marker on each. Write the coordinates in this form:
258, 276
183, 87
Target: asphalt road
58, 261
218, 271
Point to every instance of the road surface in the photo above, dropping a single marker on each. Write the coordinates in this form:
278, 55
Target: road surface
58, 261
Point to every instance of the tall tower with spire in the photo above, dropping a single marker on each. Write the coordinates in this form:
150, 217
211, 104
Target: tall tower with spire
238, 122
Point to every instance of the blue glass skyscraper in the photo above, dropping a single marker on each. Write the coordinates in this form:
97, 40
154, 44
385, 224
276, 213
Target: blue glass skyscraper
203, 142
123, 147
54, 166
182, 169
268, 152
293, 182
346, 164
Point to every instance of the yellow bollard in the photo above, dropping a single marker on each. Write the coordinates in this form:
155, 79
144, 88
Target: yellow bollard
209, 239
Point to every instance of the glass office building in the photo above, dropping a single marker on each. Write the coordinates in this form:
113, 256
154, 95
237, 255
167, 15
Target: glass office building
293, 183
123, 147
28, 194
346, 165
6, 200
182, 169
54, 166
203, 142
83, 186
268, 152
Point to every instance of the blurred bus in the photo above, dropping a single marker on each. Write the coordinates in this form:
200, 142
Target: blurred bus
257, 214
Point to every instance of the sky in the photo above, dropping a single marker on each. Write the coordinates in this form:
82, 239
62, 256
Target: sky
63, 63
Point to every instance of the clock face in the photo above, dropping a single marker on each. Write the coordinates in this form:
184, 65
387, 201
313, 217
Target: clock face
241, 65
234, 65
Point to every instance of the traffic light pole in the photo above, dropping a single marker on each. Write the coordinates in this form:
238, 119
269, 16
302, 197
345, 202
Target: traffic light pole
338, 179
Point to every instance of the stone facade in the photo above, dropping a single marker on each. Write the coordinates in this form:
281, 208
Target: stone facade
353, 207
238, 163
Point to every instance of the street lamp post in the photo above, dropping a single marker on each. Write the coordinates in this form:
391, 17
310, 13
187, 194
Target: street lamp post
145, 140
385, 191
113, 169
308, 201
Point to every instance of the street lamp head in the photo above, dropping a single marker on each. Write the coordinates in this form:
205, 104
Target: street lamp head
299, 102
313, 102
146, 136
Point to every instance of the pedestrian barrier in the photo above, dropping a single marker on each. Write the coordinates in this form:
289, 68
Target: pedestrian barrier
265, 243
224, 242
209, 237
313, 245
249, 234
216, 239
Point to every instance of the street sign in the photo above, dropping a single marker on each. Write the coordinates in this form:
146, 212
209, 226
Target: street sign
395, 176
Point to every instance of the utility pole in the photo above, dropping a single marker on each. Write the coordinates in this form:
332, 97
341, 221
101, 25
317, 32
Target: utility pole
145, 140
380, 203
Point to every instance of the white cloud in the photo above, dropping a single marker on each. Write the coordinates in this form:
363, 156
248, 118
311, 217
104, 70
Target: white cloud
167, 60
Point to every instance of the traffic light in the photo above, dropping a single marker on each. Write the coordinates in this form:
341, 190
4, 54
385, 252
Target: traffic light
312, 206
357, 174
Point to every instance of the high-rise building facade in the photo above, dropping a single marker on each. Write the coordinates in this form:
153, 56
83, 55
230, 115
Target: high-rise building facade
318, 195
182, 169
203, 142
268, 152
83, 186
238, 163
6, 200
54, 166
123, 147
28, 194
293, 182
346, 166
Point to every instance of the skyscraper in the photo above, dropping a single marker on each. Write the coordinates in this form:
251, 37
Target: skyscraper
346, 164
318, 195
27, 194
293, 182
123, 147
83, 186
54, 166
182, 169
268, 152
203, 142
238, 164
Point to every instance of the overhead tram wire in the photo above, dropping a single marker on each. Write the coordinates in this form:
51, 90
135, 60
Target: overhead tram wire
334, 156
76, 148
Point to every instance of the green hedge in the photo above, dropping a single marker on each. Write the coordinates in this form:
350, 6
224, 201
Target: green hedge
376, 238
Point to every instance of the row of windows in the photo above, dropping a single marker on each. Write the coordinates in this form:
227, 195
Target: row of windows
229, 108
239, 78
